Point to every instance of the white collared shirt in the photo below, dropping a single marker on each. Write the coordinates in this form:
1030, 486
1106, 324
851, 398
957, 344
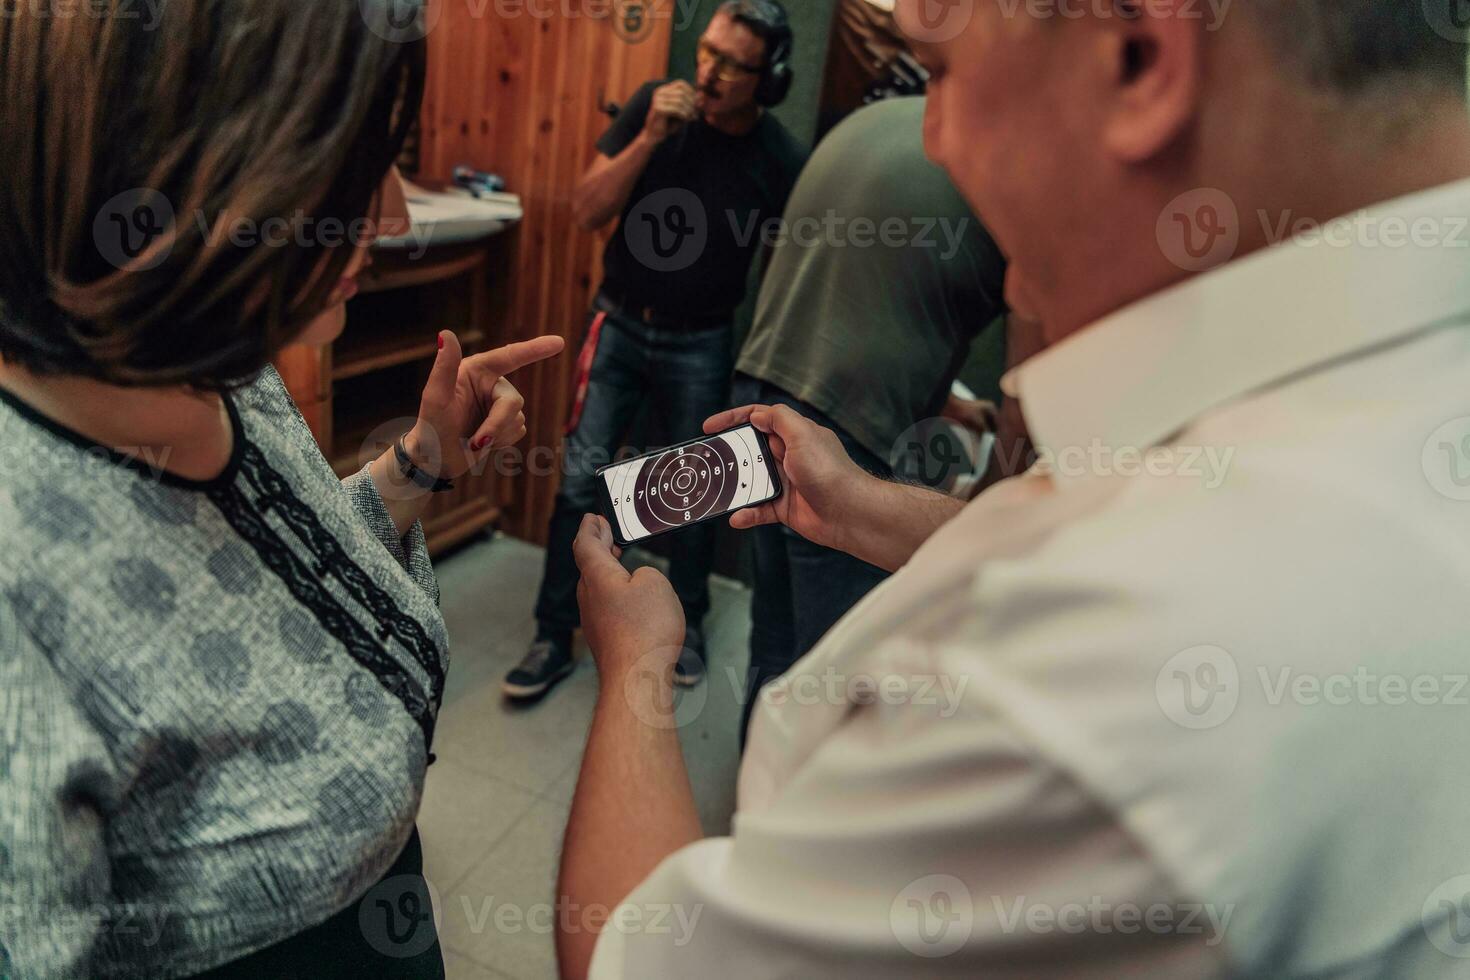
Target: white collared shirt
1188, 700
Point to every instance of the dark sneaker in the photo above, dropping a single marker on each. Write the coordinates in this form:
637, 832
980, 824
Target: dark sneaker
545, 664
690, 668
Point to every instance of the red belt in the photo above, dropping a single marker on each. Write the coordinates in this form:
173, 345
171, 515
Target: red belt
584, 371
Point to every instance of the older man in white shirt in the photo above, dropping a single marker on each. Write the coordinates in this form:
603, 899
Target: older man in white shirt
1206, 663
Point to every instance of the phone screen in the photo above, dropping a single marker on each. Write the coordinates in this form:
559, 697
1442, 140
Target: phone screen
686, 484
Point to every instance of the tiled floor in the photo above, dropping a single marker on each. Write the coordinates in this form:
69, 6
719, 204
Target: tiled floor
497, 800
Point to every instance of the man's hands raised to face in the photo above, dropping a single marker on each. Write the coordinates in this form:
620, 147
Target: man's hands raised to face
672, 110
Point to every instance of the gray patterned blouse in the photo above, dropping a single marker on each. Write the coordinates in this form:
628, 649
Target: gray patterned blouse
216, 698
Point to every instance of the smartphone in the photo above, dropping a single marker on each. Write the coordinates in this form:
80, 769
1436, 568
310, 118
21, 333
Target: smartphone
687, 484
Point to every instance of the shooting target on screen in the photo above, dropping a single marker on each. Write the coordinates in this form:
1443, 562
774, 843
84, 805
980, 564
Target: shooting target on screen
689, 483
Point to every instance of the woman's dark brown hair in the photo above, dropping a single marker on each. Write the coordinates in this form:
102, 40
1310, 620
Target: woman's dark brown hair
238, 117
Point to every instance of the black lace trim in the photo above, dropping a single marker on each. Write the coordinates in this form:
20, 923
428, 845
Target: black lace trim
305, 584
332, 560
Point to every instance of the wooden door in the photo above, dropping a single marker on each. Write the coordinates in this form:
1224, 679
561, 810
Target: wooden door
516, 87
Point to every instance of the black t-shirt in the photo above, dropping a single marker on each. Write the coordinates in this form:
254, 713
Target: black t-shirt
693, 222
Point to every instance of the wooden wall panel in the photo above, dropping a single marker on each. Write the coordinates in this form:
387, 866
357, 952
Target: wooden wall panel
517, 94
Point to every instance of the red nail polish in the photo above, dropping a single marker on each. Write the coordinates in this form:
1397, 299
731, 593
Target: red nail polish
441, 341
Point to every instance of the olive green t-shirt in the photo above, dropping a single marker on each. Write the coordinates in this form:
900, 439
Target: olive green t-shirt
878, 281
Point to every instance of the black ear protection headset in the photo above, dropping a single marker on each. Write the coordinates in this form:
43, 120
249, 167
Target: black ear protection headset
775, 27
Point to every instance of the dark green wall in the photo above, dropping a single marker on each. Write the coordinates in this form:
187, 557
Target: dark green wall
811, 22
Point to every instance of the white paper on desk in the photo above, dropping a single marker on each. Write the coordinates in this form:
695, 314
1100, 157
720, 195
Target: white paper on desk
453, 217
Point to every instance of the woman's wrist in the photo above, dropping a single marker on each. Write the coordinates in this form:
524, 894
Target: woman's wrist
417, 448
404, 499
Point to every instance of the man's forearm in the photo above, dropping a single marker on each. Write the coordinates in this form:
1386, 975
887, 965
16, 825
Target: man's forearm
604, 190
633, 808
886, 522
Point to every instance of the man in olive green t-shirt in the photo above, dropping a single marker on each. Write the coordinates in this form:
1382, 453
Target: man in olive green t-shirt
879, 280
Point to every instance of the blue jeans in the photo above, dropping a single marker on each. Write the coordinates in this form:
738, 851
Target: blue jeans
686, 372
801, 589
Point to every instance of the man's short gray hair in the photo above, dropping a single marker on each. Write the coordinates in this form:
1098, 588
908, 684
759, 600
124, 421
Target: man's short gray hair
1355, 46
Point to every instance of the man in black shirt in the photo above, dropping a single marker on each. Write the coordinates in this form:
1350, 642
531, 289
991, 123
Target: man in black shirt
692, 172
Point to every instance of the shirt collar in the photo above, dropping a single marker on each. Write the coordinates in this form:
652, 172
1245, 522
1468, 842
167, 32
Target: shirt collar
1139, 375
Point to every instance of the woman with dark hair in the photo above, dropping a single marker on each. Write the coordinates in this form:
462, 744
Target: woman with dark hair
220, 667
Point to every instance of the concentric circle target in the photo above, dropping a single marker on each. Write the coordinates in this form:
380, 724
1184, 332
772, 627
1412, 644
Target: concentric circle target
694, 482
686, 485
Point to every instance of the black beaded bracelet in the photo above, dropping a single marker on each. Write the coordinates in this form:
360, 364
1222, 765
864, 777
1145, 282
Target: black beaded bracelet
416, 476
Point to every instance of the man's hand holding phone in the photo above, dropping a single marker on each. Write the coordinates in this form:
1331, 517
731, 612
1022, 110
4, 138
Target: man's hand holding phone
672, 110
632, 620
821, 480
829, 499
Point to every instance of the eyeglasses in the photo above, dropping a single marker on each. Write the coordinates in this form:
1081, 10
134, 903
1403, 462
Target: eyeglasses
727, 69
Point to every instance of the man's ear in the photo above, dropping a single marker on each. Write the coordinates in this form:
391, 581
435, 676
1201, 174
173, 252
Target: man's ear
1156, 50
